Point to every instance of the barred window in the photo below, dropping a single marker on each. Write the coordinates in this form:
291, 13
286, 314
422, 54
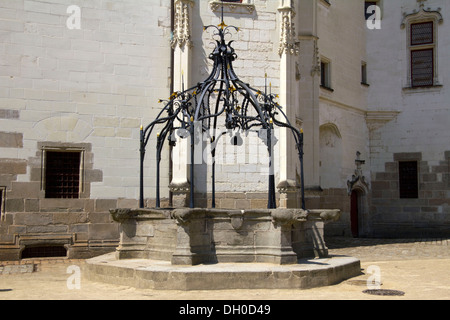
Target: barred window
422, 48
422, 67
422, 33
62, 175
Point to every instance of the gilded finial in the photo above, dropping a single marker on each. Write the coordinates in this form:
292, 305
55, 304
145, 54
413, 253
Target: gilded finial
222, 25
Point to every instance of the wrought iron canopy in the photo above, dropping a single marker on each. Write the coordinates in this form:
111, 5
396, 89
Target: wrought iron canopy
222, 96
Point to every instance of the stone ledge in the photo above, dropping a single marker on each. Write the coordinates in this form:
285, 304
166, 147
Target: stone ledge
161, 275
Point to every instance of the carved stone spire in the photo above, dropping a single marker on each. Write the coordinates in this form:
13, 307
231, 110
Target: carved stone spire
288, 43
182, 28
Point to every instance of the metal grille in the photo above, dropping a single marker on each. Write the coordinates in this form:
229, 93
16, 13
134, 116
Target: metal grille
422, 67
422, 33
384, 292
62, 175
408, 180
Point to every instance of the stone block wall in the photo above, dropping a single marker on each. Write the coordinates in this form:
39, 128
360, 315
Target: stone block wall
426, 216
82, 226
77, 74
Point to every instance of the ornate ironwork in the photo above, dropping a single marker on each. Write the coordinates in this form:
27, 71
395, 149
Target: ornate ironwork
222, 96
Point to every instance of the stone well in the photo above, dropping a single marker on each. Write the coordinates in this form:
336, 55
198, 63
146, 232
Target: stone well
199, 236
214, 249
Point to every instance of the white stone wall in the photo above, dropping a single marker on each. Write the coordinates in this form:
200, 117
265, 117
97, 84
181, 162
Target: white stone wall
256, 43
239, 168
96, 84
424, 117
342, 31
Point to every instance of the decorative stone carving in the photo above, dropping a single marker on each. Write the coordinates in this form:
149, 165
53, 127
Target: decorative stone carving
183, 215
289, 216
289, 191
120, 215
377, 119
316, 67
182, 28
245, 7
237, 219
179, 187
423, 12
288, 42
180, 193
358, 178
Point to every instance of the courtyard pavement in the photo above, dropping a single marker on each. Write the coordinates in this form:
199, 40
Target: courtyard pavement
419, 268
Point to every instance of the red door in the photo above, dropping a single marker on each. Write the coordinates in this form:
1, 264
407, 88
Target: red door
354, 214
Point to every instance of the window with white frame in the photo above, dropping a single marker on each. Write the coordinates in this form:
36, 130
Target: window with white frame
422, 47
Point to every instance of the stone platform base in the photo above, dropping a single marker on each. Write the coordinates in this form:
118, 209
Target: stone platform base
162, 275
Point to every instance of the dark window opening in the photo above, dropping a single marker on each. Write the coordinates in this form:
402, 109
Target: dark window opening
408, 180
62, 175
44, 252
2, 200
364, 73
368, 4
325, 75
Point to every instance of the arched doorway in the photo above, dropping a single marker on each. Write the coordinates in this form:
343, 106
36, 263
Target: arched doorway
358, 190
